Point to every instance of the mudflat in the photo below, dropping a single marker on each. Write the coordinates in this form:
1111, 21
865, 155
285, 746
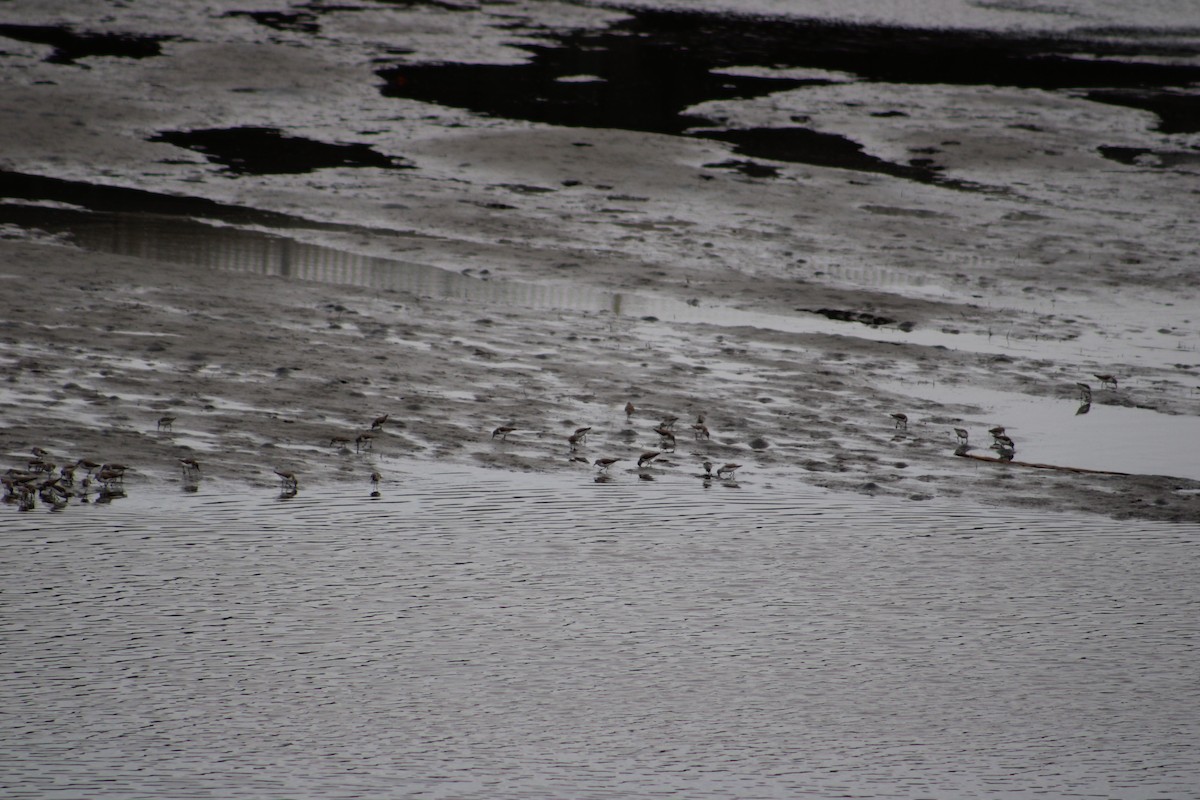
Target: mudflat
459, 271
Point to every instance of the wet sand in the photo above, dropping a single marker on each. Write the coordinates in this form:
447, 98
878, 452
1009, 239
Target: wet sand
1026, 261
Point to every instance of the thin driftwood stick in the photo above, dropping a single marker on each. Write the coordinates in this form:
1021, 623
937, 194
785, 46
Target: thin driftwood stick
1032, 465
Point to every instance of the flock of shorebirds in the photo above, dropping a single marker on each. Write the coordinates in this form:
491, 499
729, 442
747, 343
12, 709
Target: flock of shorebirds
666, 431
41, 478
1002, 443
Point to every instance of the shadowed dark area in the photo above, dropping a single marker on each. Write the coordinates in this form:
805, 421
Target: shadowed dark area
648, 69
117, 199
267, 151
70, 46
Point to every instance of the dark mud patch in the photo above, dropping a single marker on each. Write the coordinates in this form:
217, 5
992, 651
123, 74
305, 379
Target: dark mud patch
268, 151
123, 200
1146, 157
647, 71
70, 46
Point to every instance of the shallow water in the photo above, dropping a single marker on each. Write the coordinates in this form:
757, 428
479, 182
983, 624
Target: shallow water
476, 634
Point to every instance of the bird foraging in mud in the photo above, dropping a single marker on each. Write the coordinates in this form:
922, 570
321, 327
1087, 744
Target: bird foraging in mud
727, 470
901, 420
288, 480
648, 456
962, 434
1106, 381
165, 423
503, 431
378, 422
629, 409
604, 463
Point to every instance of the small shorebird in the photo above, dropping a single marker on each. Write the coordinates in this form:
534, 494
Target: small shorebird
288, 479
90, 466
605, 463
727, 470
377, 423
669, 423
38, 452
708, 468
364, 441
191, 467
165, 423
503, 431
648, 456
577, 438
901, 420
375, 479
701, 431
1106, 380
962, 434
1004, 442
666, 439
996, 431
111, 474
629, 409
1085, 392
1004, 453
700, 418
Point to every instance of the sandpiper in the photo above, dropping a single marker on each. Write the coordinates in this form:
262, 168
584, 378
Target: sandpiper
377, 423
288, 479
364, 441
1106, 380
39, 452
581, 433
165, 423
962, 434
375, 479
708, 468
727, 470
997, 430
629, 409
111, 475
503, 431
191, 467
701, 431
1004, 442
669, 423
604, 463
901, 421
1085, 392
648, 456
90, 466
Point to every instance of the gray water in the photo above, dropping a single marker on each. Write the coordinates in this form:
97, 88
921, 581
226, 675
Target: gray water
474, 634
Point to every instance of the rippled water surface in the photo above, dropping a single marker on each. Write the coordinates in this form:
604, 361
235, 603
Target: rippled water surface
476, 634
